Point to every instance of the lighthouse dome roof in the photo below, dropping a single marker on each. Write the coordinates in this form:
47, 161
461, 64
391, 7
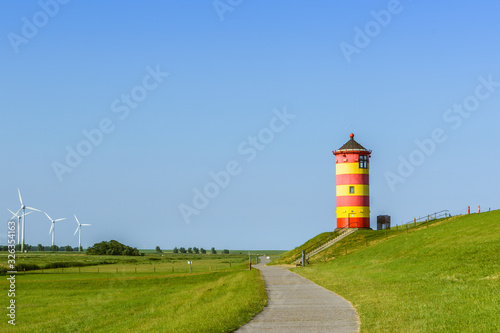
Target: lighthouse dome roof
352, 145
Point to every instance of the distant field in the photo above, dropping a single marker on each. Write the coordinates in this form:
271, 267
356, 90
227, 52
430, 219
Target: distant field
444, 278
135, 294
173, 263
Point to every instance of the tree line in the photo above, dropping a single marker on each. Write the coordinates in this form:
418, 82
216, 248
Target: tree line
196, 250
40, 247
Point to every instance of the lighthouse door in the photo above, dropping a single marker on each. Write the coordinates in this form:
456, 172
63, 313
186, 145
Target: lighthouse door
351, 214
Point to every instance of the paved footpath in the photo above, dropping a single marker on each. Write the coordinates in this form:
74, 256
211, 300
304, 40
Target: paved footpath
295, 304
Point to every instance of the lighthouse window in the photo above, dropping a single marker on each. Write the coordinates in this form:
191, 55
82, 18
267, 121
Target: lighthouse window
351, 189
363, 162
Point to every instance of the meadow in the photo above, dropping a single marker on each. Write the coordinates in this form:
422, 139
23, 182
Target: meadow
152, 293
440, 278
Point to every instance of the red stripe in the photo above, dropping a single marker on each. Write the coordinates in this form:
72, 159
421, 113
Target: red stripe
354, 222
354, 200
353, 179
349, 157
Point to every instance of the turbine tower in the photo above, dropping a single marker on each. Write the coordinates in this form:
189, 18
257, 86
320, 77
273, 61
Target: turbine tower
53, 226
79, 229
23, 208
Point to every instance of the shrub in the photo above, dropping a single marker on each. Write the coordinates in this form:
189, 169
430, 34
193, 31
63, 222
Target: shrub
112, 248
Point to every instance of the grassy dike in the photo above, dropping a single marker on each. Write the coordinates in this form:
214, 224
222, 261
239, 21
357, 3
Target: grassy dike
90, 302
444, 278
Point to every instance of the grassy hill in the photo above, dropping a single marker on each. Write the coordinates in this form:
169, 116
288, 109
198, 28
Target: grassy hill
441, 278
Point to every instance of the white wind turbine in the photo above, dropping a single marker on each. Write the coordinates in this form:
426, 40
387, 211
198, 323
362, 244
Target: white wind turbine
53, 226
23, 208
79, 229
15, 216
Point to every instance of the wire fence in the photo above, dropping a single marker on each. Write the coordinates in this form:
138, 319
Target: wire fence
426, 218
177, 268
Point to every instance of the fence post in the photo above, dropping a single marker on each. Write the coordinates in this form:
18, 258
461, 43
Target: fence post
154, 269
135, 269
415, 221
407, 228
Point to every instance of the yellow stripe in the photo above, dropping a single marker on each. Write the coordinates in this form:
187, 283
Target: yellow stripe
350, 168
358, 190
353, 211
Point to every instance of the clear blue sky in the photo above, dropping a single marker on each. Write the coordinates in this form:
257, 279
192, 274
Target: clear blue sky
330, 65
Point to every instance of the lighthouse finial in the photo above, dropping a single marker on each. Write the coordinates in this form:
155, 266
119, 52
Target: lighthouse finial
352, 136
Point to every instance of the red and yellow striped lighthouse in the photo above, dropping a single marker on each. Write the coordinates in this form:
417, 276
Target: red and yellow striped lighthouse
353, 185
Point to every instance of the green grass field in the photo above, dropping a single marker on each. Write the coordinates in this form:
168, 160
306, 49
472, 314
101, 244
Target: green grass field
167, 263
144, 296
441, 278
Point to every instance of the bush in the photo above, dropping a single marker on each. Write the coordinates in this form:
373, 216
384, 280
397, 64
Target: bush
176, 250
26, 267
112, 248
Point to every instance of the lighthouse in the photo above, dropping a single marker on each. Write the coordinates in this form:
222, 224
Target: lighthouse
352, 162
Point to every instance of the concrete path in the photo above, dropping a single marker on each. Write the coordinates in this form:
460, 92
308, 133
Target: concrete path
296, 304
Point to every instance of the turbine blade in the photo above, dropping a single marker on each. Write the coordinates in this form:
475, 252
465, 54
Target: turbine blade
86, 225
20, 199
60, 219
76, 230
17, 214
48, 216
76, 220
36, 210
14, 215
51, 227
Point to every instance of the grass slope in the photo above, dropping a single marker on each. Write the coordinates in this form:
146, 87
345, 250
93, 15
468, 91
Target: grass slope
444, 278
292, 255
203, 302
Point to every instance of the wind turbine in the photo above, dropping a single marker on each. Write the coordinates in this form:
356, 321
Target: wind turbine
53, 226
23, 208
79, 229
15, 216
